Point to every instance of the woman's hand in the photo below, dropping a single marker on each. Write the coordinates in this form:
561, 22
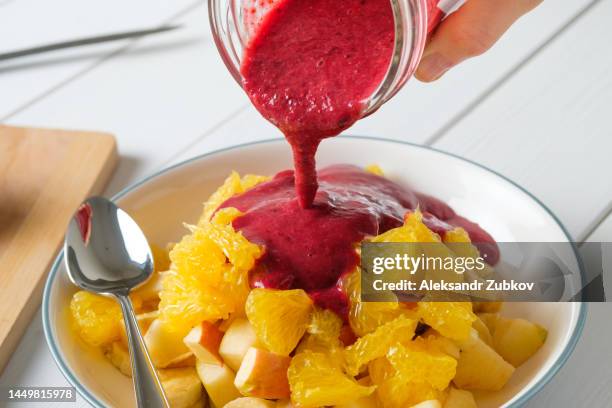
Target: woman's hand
468, 32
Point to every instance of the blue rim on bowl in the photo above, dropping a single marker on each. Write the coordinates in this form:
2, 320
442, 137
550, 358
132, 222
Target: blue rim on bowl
89, 397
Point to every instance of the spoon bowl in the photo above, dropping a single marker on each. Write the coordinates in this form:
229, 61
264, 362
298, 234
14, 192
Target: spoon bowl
107, 253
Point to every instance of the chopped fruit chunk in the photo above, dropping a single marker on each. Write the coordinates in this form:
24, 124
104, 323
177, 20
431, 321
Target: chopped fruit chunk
263, 374
209, 276
376, 344
419, 362
487, 307
233, 185
161, 258
395, 393
316, 382
441, 343
279, 317
238, 339
483, 331
451, 319
204, 341
490, 320
119, 356
325, 324
428, 404
182, 386
516, 340
165, 346
365, 317
480, 367
249, 402
149, 292
369, 401
284, 403
459, 399
218, 382
97, 318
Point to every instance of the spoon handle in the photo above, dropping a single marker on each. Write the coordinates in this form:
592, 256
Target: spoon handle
149, 391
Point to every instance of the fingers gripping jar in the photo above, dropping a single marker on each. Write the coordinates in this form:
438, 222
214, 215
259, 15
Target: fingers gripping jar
234, 23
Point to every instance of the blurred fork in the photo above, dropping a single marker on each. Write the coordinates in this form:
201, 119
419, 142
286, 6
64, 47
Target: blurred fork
85, 41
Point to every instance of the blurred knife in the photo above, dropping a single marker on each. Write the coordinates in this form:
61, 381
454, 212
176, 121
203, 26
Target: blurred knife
85, 41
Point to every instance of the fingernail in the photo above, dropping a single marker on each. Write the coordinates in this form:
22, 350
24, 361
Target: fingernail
433, 66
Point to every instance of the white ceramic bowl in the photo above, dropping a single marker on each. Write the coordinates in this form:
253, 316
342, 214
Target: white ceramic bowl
162, 202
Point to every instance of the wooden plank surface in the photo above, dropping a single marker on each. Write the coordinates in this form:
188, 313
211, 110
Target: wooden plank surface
548, 128
44, 176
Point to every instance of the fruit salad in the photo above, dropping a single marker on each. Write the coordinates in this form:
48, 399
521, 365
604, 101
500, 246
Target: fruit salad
208, 325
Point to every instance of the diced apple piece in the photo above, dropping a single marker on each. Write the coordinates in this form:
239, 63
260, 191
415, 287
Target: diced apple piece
119, 356
218, 382
516, 340
490, 320
144, 322
428, 404
182, 386
249, 402
483, 331
263, 374
460, 399
480, 367
237, 340
165, 347
487, 307
204, 341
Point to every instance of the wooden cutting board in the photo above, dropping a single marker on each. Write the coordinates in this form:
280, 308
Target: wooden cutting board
44, 176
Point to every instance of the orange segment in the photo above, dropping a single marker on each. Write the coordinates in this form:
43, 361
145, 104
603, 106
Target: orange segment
316, 382
376, 344
279, 317
450, 319
419, 362
97, 318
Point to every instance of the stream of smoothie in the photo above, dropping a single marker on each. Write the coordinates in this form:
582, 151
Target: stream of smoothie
309, 69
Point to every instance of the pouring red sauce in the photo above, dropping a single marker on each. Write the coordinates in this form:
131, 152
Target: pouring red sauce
310, 68
313, 248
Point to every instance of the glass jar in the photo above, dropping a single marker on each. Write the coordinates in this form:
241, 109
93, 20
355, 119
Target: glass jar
233, 27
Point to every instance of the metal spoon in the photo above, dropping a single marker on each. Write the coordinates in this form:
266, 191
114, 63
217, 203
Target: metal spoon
107, 253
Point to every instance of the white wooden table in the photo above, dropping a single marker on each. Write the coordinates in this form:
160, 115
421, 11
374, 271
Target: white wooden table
535, 108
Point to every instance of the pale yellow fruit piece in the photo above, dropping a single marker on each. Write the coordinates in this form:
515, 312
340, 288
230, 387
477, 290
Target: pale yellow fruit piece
377, 343
365, 317
451, 319
369, 401
165, 346
483, 331
250, 402
232, 186
97, 319
218, 382
487, 307
237, 340
418, 362
480, 367
490, 320
395, 393
516, 340
119, 356
428, 404
182, 386
441, 343
279, 317
374, 169
263, 374
317, 382
459, 399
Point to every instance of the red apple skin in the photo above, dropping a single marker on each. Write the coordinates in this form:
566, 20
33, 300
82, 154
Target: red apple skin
204, 341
